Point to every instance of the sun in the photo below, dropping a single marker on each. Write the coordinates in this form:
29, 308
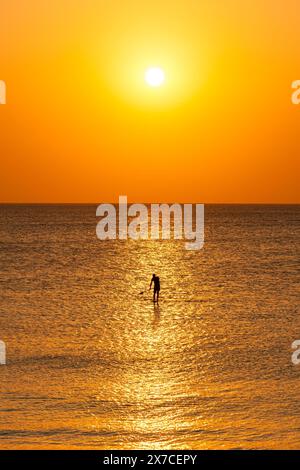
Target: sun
154, 76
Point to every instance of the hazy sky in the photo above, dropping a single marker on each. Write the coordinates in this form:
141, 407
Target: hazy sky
81, 125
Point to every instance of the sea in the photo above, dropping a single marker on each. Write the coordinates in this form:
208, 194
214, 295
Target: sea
93, 363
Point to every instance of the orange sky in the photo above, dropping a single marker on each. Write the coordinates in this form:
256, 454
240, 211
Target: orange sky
80, 125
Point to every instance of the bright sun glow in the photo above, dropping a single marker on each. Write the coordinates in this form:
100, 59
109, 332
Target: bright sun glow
154, 76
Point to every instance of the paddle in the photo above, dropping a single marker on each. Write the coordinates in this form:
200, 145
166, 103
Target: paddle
143, 292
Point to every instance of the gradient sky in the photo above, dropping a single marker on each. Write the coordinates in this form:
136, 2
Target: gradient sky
80, 124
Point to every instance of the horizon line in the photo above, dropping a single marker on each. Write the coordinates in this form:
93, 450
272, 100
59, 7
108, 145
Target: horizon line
148, 203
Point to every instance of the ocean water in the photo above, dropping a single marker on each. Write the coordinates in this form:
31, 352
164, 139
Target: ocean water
94, 364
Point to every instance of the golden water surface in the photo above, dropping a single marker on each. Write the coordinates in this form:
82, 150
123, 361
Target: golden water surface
92, 363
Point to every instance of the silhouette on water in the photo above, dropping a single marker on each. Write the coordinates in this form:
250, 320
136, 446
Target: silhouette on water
155, 281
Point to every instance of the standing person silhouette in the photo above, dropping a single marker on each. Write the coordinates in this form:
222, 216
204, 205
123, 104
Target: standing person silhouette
156, 283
